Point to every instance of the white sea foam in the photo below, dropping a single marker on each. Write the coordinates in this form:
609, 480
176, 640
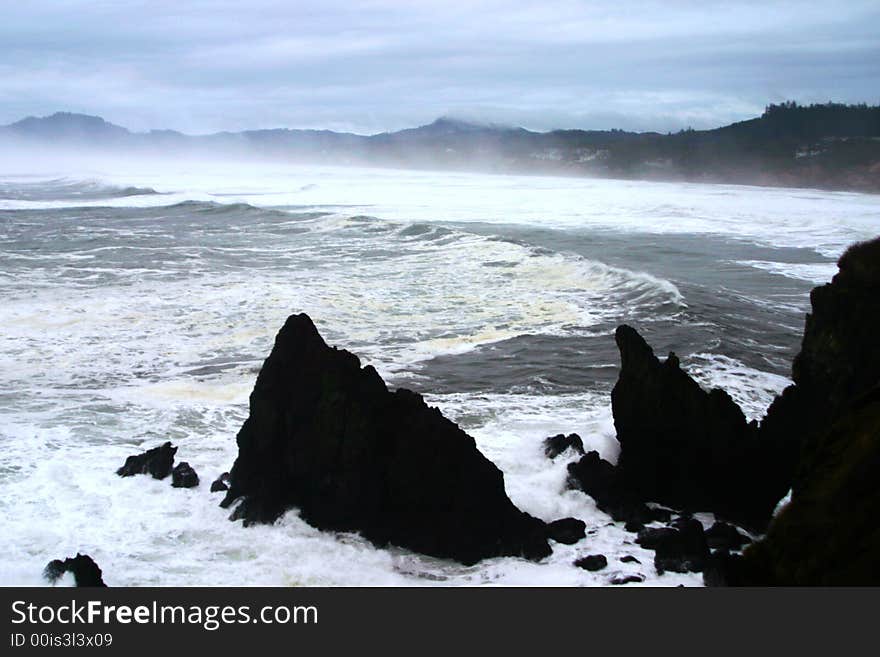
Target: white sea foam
752, 389
812, 272
824, 221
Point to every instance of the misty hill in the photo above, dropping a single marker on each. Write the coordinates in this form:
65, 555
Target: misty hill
68, 126
829, 145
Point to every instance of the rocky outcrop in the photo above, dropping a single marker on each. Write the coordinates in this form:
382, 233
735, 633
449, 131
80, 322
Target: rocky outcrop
688, 448
828, 534
555, 445
156, 462
326, 436
183, 476
612, 493
221, 483
681, 548
85, 571
839, 360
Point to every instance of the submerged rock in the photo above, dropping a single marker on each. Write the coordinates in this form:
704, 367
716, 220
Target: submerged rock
183, 476
85, 571
688, 448
156, 462
326, 436
567, 530
221, 483
592, 562
555, 445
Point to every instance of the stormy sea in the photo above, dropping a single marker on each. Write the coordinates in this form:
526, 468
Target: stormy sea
139, 301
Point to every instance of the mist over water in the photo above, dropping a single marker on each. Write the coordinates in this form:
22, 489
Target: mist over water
139, 300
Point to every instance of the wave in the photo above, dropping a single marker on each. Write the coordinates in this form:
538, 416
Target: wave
812, 272
65, 189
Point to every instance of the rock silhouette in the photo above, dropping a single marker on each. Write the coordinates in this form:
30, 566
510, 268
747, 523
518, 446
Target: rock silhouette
828, 534
555, 445
183, 476
326, 436
85, 571
156, 462
691, 449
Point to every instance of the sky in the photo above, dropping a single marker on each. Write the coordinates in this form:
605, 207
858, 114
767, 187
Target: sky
377, 65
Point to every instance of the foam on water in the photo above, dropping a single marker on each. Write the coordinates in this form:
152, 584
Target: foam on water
818, 273
824, 221
132, 317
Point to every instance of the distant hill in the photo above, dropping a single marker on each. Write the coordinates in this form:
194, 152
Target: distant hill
68, 126
829, 145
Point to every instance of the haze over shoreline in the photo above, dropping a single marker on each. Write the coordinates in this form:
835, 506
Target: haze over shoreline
829, 146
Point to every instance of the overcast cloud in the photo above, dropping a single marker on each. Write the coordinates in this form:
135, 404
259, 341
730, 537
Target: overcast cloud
202, 66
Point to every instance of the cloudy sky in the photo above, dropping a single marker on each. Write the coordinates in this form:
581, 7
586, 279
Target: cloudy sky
375, 65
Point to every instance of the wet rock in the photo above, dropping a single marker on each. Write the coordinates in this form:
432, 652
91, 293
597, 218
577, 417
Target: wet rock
592, 562
220, 483
653, 537
85, 571
156, 462
626, 579
602, 481
634, 526
555, 445
722, 536
567, 530
688, 448
681, 548
327, 436
183, 476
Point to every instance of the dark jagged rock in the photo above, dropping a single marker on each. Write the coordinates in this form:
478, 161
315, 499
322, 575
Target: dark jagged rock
839, 360
592, 562
828, 535
555, 445
85, 571
722, 536
328, 437
629, 559
688, 448
653, 537
156, 462
183, 476
626, 579
220, 483
567, 530
681, 548
602, 481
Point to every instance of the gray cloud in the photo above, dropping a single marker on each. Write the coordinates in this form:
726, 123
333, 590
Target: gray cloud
203, 66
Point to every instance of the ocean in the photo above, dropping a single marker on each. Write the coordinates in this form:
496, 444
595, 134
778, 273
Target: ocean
139, 300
